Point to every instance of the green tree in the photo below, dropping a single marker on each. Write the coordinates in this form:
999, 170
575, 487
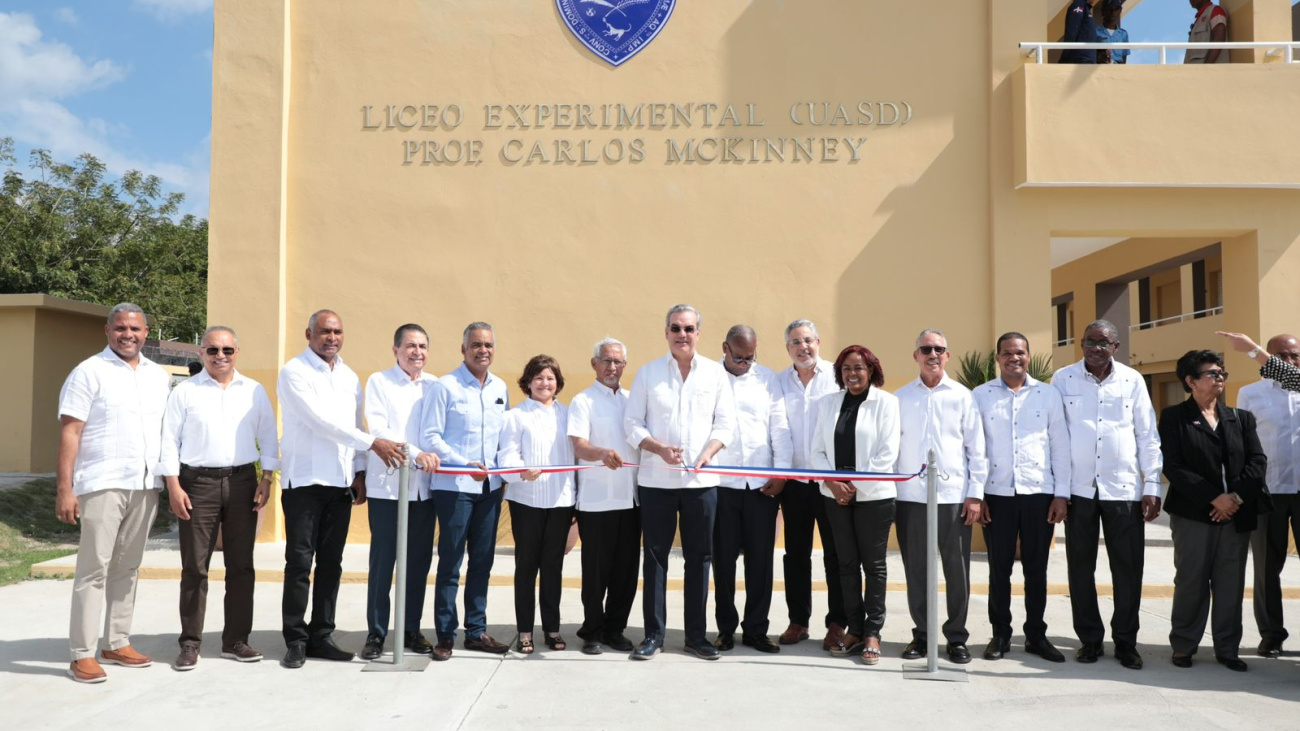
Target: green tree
67, 231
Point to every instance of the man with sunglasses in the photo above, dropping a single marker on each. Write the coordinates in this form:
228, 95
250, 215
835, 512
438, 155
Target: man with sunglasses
680, 413
218, 425
1115, 465
1277, 415
747, 506
937, 413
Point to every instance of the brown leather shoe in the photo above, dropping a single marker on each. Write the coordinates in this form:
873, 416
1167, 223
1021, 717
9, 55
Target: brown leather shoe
86, 670
834, 637
241, 652
793, 634
126, 657
485, 643
442, 650
188, 659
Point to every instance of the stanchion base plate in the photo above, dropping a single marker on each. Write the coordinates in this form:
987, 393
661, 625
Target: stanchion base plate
944, 674
411, 663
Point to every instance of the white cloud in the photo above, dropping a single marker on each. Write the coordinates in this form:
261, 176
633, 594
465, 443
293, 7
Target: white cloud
67, 15
174, 9
35, 74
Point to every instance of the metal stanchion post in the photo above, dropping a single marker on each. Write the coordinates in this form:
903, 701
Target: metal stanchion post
401, 663
930, 670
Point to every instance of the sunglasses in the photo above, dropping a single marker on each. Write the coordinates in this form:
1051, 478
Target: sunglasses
682, 329
932, 349
224, 351
1214, 373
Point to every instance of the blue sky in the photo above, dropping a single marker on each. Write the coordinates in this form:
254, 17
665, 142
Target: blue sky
131, 80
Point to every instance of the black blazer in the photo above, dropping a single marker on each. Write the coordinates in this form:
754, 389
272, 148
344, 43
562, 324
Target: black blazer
1193, 457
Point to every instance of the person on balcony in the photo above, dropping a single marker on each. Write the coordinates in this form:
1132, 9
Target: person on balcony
1079, 28
1110, 32
1210, 26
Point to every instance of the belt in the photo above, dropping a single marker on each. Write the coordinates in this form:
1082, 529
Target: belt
219, 471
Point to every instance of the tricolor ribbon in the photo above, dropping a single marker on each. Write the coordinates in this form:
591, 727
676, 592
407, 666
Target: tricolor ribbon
770, 473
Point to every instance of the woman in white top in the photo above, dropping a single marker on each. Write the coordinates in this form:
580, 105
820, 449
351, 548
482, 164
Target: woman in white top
541, 505
857, 430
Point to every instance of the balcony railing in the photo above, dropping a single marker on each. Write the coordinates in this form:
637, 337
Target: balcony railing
1062, 343
1285, 49
1176, 318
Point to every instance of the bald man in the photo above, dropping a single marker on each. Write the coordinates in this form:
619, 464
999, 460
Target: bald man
1277, 413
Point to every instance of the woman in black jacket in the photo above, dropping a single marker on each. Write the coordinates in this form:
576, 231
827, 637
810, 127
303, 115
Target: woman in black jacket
1215, 467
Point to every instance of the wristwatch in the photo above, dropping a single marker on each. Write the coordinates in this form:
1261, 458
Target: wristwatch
1252, 353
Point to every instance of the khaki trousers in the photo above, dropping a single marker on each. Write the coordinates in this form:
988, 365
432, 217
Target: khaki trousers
114, 527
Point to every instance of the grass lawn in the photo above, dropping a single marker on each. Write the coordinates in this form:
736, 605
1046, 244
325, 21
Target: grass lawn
29, 532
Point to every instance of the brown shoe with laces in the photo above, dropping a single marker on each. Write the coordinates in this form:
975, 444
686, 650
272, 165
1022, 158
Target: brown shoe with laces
793, 634
241, 652
188, 658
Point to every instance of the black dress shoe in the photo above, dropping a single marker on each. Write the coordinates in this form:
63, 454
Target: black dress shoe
484, 643
591, 647
914, 650
648, 649
617, 642
325, 649
1270, 649
1128, 657
296, 656
416, 642
958, 653
726, 641
703, 650
1089, 652
1232, 663
997, 648
1043, 648
762, 643
373, 648
1181, 661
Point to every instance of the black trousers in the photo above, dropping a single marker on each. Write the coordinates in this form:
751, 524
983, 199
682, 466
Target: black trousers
540, 536
316, 519
1022, 519
746, 524
1123, 525
660, 509
382, 515
1269, 544
954, 559
611, 550
222, 504
803, 511
861, 532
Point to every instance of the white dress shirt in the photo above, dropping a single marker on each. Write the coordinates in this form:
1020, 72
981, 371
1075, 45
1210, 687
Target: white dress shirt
537, 435
393, 404
875, 445
122, 408
323, 442
1112, 433
1277, 419
596, 415
1027, 439
679, 413
762, 432
945, 419
206, 425
801, 406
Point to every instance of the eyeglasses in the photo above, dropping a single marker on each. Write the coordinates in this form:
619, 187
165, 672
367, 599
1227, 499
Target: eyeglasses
1290, 355
224, 351
742, 361
688, 329
1097, 344
607, 362
1215, 373
933, 349
796, 342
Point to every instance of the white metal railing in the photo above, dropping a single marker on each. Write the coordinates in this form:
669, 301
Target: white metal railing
1286, 49
1177, 318
1059, 343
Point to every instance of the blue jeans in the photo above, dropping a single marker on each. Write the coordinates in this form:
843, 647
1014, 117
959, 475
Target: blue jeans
464, 519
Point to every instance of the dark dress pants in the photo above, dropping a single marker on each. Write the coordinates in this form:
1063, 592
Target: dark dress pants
1269, 544
221, 505
421, 519
1124, 528
1018, 519
746, 524
660, 508
464, 520
1209, 562
861, 532
954, 557
540, 537
316, 519
803, 511
611, 552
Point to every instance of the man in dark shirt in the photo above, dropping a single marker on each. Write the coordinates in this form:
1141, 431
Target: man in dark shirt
1079, 28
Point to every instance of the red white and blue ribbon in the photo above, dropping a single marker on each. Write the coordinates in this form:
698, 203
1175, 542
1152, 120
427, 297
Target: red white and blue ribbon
770, 473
